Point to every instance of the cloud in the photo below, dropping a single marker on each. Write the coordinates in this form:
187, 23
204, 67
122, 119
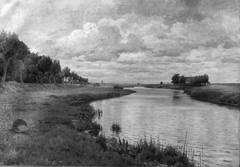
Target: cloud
116, 36
131, 58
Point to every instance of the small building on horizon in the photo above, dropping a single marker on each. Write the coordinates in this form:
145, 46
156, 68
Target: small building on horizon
189, 79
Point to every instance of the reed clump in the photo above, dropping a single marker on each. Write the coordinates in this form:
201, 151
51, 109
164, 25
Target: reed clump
116, 128
151, 152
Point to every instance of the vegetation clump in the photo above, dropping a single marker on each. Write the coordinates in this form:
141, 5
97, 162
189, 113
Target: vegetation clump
149, 151
117, 87
18, 64
116, 128
193, 81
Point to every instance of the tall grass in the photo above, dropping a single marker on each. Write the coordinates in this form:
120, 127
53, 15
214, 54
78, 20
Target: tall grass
115, 128
153, 151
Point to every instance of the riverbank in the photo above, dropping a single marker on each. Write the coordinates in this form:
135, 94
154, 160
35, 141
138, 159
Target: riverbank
61, 131
225, 94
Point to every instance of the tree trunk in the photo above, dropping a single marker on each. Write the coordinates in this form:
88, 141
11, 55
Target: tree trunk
36, 79
5, 66
49, 79
21, 78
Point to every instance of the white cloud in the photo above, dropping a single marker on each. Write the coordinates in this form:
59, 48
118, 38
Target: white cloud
93, 32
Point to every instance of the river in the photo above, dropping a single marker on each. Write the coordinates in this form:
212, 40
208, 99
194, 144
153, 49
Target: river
168, 115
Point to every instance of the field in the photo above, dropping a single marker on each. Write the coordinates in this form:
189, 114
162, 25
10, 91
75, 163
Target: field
62, 131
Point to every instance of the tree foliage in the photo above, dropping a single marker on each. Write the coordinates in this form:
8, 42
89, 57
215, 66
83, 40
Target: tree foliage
17, 63
195, 81
9, 46
175, 78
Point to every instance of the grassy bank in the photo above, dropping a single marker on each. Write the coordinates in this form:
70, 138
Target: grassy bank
62, 131
167, 86
227, 94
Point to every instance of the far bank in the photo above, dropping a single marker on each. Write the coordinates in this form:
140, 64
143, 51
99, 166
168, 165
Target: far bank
224, 94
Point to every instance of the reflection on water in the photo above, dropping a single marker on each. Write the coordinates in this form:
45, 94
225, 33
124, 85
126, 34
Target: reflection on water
169, 114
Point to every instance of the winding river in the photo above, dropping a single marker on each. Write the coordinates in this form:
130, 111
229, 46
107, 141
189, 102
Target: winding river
168, 115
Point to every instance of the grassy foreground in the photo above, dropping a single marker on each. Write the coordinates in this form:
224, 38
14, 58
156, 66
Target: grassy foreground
62, 131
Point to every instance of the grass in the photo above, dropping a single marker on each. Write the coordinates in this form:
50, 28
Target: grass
63, 134
61, 146
150, 152
59, 141
116, 128
221, 93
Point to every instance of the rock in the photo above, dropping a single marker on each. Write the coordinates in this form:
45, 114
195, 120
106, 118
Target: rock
19, 126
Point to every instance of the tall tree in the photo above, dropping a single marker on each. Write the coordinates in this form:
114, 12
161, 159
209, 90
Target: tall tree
55, 70
66, 72
9, 47
205, 78
175, 78
19, 70
182, 80
32, 73
44, 65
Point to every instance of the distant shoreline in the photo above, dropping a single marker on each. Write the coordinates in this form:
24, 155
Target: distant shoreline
222, 94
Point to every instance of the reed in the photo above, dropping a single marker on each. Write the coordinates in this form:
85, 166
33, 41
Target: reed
116, 128
150, 150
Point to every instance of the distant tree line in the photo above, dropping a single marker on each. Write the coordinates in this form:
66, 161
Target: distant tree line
18, 64
195, 81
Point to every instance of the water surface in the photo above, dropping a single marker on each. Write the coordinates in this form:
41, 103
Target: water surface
168, 115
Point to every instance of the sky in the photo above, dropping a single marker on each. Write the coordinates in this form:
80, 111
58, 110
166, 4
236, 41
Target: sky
131, 41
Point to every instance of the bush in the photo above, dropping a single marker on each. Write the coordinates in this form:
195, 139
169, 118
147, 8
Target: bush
117, 87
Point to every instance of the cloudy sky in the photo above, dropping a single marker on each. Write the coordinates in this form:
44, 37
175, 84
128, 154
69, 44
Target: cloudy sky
143, 41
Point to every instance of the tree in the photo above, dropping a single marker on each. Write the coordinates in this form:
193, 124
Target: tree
9, 47
19, 69
182, 80
66, 72
44, 65
175, 78
32, 73
55, 70
205, 78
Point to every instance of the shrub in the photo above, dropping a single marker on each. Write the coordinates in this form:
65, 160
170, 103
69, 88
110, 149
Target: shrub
117, 87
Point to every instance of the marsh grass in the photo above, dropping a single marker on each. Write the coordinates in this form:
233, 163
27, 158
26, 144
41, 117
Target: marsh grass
151, 151
222, 94
61, 146
116, 128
